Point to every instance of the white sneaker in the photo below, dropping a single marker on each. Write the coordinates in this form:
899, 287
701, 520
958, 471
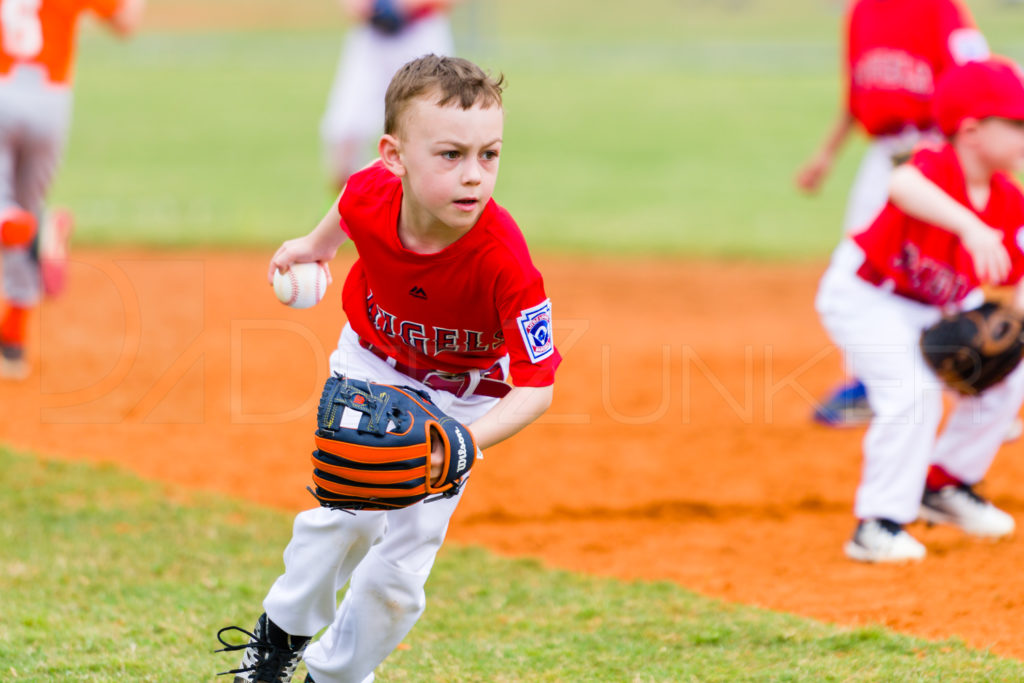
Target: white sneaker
882, 540
961, 506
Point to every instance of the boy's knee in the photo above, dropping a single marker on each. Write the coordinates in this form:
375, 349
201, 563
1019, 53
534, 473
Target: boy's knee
17, 227
401, 600
400, 593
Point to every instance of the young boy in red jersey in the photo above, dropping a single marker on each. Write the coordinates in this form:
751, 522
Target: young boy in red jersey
444, 298
895, 52
953, 222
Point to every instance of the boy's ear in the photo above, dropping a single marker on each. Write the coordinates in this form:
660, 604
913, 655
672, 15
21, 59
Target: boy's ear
390, 150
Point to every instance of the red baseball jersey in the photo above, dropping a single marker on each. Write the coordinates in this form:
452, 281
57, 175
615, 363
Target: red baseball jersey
462, 308
43, 32
896, 50
926, 263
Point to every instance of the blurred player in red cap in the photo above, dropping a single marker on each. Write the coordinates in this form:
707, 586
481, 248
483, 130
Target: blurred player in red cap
954, 221
895, 51
37, 44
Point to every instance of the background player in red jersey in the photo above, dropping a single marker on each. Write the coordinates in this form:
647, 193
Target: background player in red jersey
37, 43
954, 221
445, 299
895, 51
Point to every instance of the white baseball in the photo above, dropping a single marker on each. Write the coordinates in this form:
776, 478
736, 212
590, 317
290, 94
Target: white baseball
302, 285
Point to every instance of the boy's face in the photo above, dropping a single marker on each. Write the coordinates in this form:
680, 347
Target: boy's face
1001, 143
450, 160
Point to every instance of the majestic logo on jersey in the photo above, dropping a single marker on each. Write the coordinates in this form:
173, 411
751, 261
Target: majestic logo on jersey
535, 326
1020, 237
418, 293
887, 69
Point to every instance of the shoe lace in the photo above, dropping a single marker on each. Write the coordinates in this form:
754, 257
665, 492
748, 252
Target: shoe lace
271, 660
891, 527
969, 491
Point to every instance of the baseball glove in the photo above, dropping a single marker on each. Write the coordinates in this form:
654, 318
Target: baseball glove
387, 17
973, 350
373, 445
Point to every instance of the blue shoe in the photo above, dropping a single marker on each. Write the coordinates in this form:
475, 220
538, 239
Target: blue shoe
846, 407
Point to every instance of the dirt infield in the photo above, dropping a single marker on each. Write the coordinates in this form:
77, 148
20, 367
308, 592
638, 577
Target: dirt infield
678, 447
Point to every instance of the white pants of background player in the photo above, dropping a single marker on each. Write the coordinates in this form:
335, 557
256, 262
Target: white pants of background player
34, 120
355, 106
878, 333
387, 555
870, 189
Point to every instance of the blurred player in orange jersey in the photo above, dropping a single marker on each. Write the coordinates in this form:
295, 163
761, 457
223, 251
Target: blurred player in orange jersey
386, 35
895, 52
37, 45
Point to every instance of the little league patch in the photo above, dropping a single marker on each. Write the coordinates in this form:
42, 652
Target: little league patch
535, 326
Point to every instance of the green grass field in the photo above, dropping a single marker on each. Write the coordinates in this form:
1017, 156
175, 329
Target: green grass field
674, 128
108, 578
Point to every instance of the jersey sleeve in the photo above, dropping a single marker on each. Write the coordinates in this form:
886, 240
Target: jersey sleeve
525, 312
928, 161
341, 221
963, 42
364, 194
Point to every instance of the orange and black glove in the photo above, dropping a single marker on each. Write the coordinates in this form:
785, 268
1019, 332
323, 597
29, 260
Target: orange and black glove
373, 446
974, 350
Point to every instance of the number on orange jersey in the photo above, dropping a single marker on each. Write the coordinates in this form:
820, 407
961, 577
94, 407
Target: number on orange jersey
22, 31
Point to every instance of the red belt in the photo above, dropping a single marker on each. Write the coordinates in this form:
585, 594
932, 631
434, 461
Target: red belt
458, 383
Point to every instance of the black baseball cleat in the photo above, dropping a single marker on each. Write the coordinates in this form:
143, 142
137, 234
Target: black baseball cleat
271, 655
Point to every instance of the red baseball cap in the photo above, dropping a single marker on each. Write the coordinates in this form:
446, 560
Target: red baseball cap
977, 90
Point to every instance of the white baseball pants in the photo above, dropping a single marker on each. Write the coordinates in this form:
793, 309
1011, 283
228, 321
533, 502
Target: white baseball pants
387, 555
878, 333
34, 120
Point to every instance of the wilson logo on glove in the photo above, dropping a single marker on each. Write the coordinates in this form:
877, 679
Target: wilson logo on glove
462, 450
373, 444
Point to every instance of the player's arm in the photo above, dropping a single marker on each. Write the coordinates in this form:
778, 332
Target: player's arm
515, 410
126, 19
920, 198
812, 174
518, 408
321, 244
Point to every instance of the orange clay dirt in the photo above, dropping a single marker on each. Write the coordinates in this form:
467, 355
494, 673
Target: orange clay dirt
678, 448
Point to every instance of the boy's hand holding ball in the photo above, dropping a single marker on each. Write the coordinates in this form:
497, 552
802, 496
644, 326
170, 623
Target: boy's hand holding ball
302, 285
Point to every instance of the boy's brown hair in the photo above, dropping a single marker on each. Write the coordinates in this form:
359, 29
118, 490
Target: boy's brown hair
452, 78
